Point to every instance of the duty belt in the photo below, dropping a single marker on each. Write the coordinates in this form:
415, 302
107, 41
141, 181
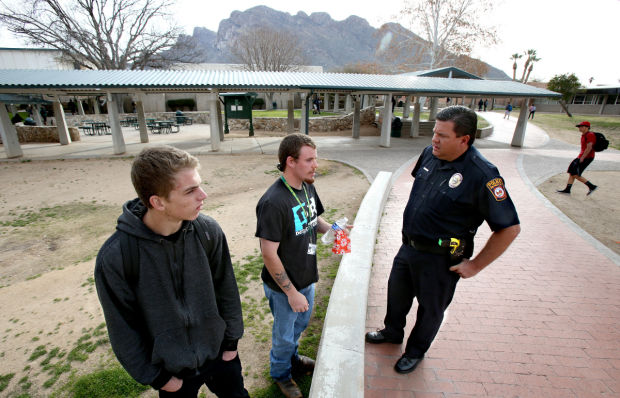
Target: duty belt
425, 246
452, 246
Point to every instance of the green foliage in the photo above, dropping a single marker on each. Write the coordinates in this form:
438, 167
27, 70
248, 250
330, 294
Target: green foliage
5, 379
566, 84
107, 383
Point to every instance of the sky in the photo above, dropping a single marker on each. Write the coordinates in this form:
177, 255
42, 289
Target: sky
570, 36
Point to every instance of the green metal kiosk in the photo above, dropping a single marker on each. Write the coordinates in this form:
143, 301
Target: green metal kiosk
238, 106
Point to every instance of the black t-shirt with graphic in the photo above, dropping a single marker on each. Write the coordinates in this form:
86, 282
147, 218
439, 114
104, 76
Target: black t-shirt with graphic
280, 218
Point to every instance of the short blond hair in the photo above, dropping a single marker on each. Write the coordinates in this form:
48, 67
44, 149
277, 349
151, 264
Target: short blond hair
154, 170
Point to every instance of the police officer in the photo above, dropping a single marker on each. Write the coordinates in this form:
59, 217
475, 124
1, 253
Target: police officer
455, 189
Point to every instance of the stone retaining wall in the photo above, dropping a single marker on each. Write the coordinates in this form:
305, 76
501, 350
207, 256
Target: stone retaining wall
325, 123
28, 134
78, 120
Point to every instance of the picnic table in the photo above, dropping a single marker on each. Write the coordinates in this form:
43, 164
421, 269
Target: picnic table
129, 121
184, 120
163, 126
91, 127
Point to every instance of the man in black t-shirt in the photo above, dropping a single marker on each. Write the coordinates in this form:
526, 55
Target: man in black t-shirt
455, 190
288, 220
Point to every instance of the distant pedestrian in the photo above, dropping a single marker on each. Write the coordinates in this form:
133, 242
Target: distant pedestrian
586, 156
317, 105
480, 104
43, 113
532, 112
507, 112
486, 103
72, 106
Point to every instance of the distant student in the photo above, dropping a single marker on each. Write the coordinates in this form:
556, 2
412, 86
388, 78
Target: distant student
579, 164
507, 112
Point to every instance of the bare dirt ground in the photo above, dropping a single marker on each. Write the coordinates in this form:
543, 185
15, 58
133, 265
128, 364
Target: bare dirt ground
54, 216
599, 213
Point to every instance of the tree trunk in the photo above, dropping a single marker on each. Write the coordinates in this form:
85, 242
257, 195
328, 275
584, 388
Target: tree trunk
565, 107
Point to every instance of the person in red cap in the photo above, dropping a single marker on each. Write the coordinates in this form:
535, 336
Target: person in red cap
586, 156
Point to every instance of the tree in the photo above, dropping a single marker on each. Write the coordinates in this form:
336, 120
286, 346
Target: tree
266, 49
368, 68
529, 64
515, 57
449, 28
567, 85
100, 34
471, 65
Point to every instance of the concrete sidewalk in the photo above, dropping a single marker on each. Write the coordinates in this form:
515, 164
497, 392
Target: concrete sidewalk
542, 320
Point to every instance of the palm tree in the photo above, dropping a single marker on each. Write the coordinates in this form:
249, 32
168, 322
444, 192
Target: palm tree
530, 54
529, 70
515, 57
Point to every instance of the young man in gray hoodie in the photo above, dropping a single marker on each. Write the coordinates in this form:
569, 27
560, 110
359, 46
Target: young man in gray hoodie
169, 296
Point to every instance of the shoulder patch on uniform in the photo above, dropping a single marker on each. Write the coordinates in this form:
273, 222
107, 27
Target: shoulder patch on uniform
496, 186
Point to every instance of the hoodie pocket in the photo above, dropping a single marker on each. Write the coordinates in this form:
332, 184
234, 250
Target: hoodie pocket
172, 349
188, 348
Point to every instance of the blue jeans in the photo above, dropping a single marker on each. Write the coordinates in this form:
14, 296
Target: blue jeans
287, 327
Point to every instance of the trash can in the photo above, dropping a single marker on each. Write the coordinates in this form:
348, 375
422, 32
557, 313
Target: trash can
397, 126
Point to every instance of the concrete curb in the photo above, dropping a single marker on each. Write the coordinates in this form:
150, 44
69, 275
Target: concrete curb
339, 370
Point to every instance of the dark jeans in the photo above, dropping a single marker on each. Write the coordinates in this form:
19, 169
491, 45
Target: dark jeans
223, 378
425, 276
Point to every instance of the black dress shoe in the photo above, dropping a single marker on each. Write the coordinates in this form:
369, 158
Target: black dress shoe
378, 337
406, 364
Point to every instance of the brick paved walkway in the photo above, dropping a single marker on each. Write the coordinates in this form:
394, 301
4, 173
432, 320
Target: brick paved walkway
541, 321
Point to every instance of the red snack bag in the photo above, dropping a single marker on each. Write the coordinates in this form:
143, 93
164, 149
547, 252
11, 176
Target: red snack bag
342, 243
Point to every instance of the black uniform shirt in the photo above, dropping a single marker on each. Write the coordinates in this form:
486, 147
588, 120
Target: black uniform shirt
452, 199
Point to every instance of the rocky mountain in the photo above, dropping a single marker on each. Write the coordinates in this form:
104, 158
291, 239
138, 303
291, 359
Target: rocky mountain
324, 41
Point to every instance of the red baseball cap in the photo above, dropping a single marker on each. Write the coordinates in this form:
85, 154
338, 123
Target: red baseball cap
584, 123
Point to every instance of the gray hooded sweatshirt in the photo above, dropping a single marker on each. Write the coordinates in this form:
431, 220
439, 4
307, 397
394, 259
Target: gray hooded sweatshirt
182, 310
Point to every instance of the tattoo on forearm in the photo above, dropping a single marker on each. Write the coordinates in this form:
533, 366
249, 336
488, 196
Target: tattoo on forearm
283, 280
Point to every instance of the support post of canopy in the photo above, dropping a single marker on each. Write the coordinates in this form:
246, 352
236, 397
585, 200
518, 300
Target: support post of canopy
213, 119
291, 113
9, 135
406, 107
356, 116
144, 133
519, 134
61, 123
415, 121
118, 142
386, 125
432, 112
